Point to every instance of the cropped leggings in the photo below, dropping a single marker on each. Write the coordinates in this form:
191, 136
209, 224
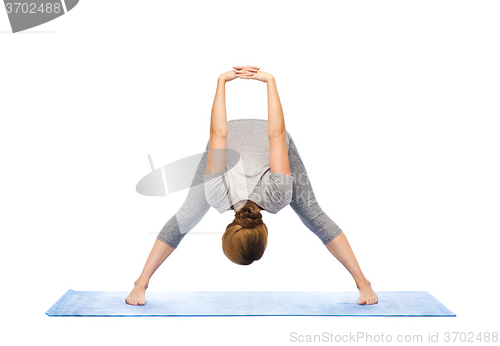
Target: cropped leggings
303, 203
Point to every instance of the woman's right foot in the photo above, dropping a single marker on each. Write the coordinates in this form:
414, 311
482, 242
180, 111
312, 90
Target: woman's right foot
138, 295
367, 295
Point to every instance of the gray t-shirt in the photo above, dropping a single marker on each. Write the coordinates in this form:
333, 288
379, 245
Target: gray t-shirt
248, 175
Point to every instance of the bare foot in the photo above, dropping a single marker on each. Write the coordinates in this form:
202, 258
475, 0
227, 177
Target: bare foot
138, 294
367, 296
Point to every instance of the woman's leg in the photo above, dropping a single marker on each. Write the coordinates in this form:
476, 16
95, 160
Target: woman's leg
306, 206
339, 247
188, 216
158, 255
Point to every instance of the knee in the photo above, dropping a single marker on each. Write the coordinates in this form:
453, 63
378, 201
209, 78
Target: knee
305, 198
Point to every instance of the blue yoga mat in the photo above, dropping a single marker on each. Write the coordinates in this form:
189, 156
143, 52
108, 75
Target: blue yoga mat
247, 303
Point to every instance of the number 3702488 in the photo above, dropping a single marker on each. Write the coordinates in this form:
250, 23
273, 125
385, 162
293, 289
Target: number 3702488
470, 337
26, 7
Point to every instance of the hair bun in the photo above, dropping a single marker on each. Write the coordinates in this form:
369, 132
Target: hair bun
248, 217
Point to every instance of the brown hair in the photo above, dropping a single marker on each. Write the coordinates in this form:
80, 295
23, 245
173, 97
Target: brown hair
245, 239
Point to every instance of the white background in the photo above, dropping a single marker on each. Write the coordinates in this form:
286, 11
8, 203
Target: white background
394, 108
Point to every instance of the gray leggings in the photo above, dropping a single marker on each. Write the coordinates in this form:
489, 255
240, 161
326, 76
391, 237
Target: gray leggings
303, 203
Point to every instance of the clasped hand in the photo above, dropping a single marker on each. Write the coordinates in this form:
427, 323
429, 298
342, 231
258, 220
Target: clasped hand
246, 72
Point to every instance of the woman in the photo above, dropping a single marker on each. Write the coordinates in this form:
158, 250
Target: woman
250, 165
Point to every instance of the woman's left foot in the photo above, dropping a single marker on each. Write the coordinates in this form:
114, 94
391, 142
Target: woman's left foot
367, 296
138, 294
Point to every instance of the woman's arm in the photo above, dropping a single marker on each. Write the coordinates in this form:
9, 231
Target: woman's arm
276, 130
218, 121
218, 130
276, 119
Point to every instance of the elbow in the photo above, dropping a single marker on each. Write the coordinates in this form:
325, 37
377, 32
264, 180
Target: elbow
218, 133
277, 133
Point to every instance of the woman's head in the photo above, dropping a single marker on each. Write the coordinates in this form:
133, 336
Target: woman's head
245, 239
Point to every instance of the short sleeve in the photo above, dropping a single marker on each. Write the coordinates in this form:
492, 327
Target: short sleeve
278, 191
217, 190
